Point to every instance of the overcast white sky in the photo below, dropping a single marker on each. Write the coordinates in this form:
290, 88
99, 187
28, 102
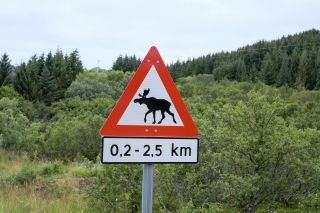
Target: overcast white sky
104, 29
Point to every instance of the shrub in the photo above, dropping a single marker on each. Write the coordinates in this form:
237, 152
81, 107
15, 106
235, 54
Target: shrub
69, 138
51, 169
24, 176
91, 85
117, 189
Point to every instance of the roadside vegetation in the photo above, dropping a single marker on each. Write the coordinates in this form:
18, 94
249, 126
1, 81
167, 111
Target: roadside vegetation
259, 143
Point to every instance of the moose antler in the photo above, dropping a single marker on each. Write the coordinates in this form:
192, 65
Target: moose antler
146, 92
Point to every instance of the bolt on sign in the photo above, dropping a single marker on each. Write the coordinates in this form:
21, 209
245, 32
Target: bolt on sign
150, 122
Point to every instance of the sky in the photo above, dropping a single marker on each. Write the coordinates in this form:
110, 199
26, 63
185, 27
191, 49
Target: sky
103, 29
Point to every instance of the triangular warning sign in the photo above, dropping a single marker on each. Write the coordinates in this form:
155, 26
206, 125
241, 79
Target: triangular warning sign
151, 105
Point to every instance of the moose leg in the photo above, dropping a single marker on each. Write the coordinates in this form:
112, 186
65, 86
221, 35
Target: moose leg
163, 116
170, 113
145, 116
154, 117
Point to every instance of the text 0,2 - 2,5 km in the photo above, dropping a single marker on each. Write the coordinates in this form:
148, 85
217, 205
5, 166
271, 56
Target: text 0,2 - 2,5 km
152, 150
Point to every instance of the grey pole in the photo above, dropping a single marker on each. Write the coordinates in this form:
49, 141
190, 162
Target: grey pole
147, 188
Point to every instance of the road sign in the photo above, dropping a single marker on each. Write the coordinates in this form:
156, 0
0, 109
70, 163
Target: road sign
150, 150
151, 105
150, 123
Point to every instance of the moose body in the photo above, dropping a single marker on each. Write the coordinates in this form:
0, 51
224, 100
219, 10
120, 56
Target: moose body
154, 105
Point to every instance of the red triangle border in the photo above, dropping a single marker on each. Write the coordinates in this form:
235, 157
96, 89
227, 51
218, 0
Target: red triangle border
110, 127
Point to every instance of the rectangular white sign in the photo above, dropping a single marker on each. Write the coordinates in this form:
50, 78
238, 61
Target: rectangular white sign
149, 150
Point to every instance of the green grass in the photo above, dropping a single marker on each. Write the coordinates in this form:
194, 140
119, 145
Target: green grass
37, 186
25, 199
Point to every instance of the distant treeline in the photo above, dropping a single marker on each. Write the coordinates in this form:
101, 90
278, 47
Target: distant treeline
126, 63
293, 60
43, 78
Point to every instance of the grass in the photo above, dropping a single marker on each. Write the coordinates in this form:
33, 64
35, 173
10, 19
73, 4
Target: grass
24, 199
36, 186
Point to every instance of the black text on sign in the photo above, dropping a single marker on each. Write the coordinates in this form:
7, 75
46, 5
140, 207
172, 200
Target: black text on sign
151, 150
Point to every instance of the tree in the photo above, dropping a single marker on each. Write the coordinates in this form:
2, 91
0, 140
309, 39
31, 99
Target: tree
47, 78
69, 137
311, 72
74, 66
17, 133
254, 74
49, 87
126, 63
303, 68
258, 158
5, 70
317, 64
90, 85
241, 71
284, 77
267, 57
25, 84
268, 70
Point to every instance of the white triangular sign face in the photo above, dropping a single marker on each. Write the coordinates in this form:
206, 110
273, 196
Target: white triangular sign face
135, 112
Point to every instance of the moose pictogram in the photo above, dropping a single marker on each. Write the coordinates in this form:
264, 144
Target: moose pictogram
154, 105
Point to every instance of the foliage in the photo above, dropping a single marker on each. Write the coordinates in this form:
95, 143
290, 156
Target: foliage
8, 92
51, 169
5, 70
259, 144
52, 194
24, 176
16, 131
47, 78
92, 85
118, 189
54, 190
74, 107
256, 151
293, 60
67, 138
126, 63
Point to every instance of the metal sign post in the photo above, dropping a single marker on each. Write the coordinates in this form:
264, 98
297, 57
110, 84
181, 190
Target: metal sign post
147, 188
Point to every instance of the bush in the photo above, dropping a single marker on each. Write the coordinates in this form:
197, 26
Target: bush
91, 85
24, 176
69, 138
118, 189
51, 169
17, 132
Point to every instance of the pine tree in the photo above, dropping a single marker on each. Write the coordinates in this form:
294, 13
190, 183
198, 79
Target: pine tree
49, 87
294, 65
59, 72
5, 69
268, 70
284, 76
254, 74
126, 63
241, 71
303, 68
49, 62
24, 84
317, 67
311, 72
74, 66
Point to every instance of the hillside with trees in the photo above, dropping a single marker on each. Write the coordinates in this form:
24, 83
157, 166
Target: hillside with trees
259, 139
293, 60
